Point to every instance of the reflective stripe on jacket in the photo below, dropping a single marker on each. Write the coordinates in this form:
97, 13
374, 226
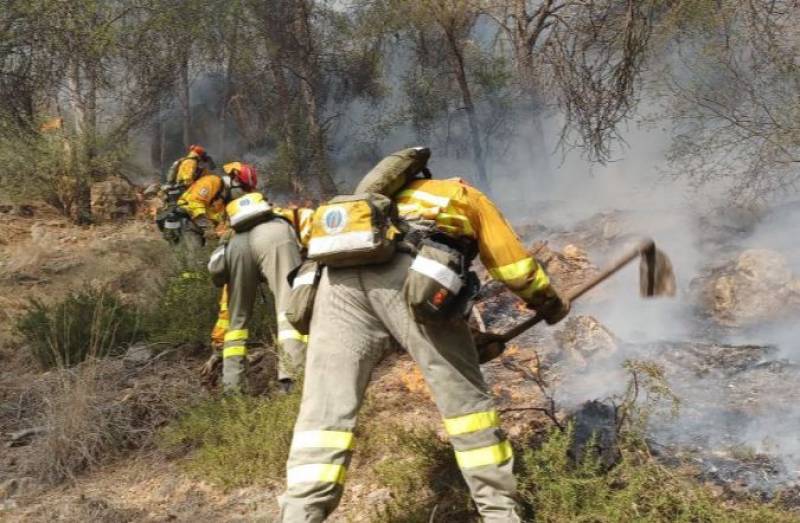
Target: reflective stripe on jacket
461, 210
203, 198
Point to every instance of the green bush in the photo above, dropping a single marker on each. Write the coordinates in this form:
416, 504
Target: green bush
421, 472
236, 441
188, 308
88, 323
55, 166
638, 489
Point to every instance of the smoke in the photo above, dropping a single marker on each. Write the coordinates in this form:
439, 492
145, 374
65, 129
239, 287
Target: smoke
735, 401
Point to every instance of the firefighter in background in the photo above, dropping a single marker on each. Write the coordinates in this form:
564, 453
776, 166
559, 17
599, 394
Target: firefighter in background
203, 203
359, 310
184, 171
181, 175
265, 247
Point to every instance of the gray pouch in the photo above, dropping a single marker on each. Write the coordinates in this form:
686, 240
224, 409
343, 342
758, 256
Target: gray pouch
218, 267
434, 282
304, 281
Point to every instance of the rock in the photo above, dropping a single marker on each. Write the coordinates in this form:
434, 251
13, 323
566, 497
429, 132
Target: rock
113, 199
137, 354
595, 422
583, 338
756, 286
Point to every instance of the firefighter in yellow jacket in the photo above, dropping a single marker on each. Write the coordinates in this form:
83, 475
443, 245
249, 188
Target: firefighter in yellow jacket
266, 247
359, 310
204, 203
189, 168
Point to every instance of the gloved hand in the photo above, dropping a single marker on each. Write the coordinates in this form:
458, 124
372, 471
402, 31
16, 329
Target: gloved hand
550, 306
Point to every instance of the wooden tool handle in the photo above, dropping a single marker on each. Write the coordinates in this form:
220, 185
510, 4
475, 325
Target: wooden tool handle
646, 246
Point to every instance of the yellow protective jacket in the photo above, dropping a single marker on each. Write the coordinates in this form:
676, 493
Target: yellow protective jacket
188, 169
461, 210
204, 198
300, 218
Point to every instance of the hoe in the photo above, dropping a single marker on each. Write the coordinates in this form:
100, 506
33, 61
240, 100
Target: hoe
656, 278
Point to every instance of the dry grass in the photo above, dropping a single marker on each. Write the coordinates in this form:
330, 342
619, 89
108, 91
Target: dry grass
100, 409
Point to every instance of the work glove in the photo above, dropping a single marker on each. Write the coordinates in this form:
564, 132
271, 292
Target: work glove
550, 305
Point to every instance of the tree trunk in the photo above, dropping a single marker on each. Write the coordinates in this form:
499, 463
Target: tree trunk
307, 70
183, 95
284, 106
78, 204
469, 107
226, 88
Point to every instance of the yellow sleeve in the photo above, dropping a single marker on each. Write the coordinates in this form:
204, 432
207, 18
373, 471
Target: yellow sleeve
501, 251
305, 218
186, 171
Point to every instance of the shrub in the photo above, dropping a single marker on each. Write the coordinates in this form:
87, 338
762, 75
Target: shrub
55, 167
188, 308
89, 414
421, 472
87, 323
638, 489
236, 441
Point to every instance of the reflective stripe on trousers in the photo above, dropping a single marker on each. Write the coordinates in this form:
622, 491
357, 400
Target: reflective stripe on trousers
470, 432
325, 453
235, 343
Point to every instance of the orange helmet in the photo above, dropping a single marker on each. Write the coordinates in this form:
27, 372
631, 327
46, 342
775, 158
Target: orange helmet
199, 150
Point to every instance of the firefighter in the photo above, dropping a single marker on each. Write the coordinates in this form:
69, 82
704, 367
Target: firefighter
360, 310
204, 205
266, 247
184, 171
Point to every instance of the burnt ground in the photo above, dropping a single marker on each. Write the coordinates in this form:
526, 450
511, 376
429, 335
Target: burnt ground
738, 401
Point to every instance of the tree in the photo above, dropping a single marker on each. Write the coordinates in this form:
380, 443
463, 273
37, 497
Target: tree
733, 91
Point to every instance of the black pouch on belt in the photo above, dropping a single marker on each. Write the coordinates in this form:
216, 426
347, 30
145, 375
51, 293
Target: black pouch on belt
304, 281
436, 278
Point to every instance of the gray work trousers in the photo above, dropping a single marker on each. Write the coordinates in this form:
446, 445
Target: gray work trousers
267, 252
357, 313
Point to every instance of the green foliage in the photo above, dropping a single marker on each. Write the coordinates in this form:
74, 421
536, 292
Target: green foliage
189, 306
638, 489
186, 310
421, 472
85, 324
422, 475
49, 167
236, 441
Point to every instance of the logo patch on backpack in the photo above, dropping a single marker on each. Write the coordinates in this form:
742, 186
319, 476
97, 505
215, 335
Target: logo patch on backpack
335, 220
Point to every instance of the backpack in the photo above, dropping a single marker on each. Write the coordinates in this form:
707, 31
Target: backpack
248, 211
393, 172
354, 230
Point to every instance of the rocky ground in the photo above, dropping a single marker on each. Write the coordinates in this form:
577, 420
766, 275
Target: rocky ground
737, 425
